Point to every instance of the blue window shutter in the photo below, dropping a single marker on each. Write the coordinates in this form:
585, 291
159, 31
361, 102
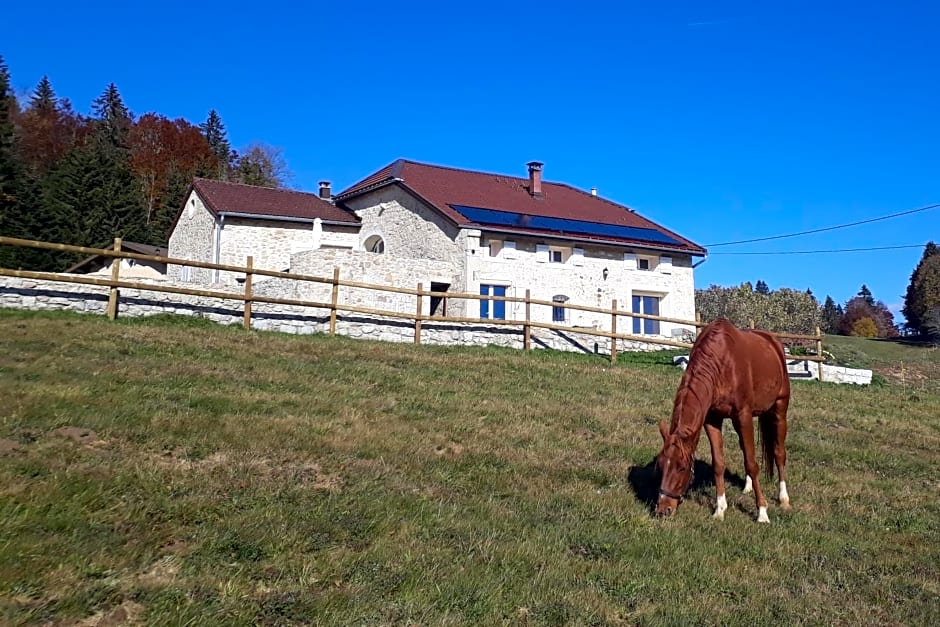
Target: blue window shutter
499, 306
484, 304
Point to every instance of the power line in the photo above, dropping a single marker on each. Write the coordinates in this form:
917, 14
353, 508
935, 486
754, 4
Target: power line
818, 252
828, 228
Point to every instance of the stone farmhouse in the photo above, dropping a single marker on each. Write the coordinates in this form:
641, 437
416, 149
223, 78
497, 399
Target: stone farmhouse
454, 230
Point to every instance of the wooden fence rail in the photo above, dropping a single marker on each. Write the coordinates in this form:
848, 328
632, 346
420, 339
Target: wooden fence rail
248, 297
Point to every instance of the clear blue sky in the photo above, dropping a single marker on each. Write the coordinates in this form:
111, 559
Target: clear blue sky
721, 120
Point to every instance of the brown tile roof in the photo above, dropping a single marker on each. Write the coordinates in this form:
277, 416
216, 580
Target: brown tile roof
224, 197
444, 187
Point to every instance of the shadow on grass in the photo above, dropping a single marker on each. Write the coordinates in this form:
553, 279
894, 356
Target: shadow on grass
644, 481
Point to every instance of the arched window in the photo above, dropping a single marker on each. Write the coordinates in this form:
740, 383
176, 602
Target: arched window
375, 244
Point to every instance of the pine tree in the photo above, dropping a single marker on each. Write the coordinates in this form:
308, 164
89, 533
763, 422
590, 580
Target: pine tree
831, 316
761, 288
113, 116
93, 191
8, 167
95, 196
214, 132
43, 99
865, 293
923, 291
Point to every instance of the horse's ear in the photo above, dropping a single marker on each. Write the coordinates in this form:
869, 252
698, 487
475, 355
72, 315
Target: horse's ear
663, 430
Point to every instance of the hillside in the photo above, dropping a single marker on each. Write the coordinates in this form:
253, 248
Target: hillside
174, 472
902, 363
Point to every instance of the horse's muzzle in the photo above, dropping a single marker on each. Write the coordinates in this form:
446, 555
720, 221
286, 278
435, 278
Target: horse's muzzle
666, 506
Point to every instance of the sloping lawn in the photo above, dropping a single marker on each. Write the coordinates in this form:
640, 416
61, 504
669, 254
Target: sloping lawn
170, 472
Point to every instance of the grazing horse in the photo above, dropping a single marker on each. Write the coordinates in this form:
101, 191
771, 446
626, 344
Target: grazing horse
735, 374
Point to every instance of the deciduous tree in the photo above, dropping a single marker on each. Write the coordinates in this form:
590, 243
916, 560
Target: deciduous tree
262, 165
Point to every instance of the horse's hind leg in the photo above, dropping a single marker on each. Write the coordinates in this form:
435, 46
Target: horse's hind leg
780, 450
713, 431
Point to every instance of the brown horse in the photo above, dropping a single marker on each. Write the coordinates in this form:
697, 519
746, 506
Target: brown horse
731, 374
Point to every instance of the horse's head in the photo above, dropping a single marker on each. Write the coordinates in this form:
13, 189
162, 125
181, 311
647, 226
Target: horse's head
675, 464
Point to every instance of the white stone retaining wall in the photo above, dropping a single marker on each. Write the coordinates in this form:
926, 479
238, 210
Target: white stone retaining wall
16, 293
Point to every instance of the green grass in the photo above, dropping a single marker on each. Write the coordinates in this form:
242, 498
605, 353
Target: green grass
241, 478
915, 366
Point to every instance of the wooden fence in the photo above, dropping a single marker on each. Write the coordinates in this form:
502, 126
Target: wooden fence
335, 306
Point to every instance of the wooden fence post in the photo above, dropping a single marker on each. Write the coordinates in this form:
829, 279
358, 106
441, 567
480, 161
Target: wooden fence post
113, 293
750, 323
418, 314
613, 330
698, 317
819, 352
335, 298
248, 274
526, 329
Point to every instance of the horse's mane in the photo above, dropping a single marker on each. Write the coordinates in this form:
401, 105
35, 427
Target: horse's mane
698, 384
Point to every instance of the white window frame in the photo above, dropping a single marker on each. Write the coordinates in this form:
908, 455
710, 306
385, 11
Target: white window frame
645, 323
648, 260
561, 299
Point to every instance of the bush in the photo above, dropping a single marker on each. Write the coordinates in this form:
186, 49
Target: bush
864, 327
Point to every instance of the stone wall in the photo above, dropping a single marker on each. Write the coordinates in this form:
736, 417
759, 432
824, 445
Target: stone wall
16, 293
193, 238
802, 369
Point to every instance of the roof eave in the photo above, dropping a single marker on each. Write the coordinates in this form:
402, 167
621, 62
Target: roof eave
592, 240
265, 216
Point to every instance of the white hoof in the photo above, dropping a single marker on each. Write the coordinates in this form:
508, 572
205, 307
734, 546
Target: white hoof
748, 485
784, 497
762, 515
721, 505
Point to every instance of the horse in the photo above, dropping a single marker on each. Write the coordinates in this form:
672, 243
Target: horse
736, 374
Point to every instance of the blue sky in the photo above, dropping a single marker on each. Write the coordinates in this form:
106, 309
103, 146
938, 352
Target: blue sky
723, 121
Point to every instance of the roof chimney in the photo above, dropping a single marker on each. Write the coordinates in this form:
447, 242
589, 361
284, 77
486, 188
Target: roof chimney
535, 178
325, 192
593, 191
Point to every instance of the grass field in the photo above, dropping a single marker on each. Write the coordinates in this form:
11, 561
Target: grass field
171, 472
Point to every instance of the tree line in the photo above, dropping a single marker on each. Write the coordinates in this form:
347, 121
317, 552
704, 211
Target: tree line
86, 179
794, 311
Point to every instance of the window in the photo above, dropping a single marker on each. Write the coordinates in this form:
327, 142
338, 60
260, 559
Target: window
186, 273
493, 309
375, 244
555, 256
558, 311
648, 305
643, 264
439, 303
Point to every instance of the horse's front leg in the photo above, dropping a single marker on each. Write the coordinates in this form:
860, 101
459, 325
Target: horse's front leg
713, 431
744, 425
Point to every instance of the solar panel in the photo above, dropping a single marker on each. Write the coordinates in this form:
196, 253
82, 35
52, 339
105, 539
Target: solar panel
494, 217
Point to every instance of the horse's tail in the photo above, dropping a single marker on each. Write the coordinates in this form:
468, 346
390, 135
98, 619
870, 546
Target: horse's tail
768, 440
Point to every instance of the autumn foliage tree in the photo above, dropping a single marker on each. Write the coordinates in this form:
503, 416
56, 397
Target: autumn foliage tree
865, 306
165, 156
77, 179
